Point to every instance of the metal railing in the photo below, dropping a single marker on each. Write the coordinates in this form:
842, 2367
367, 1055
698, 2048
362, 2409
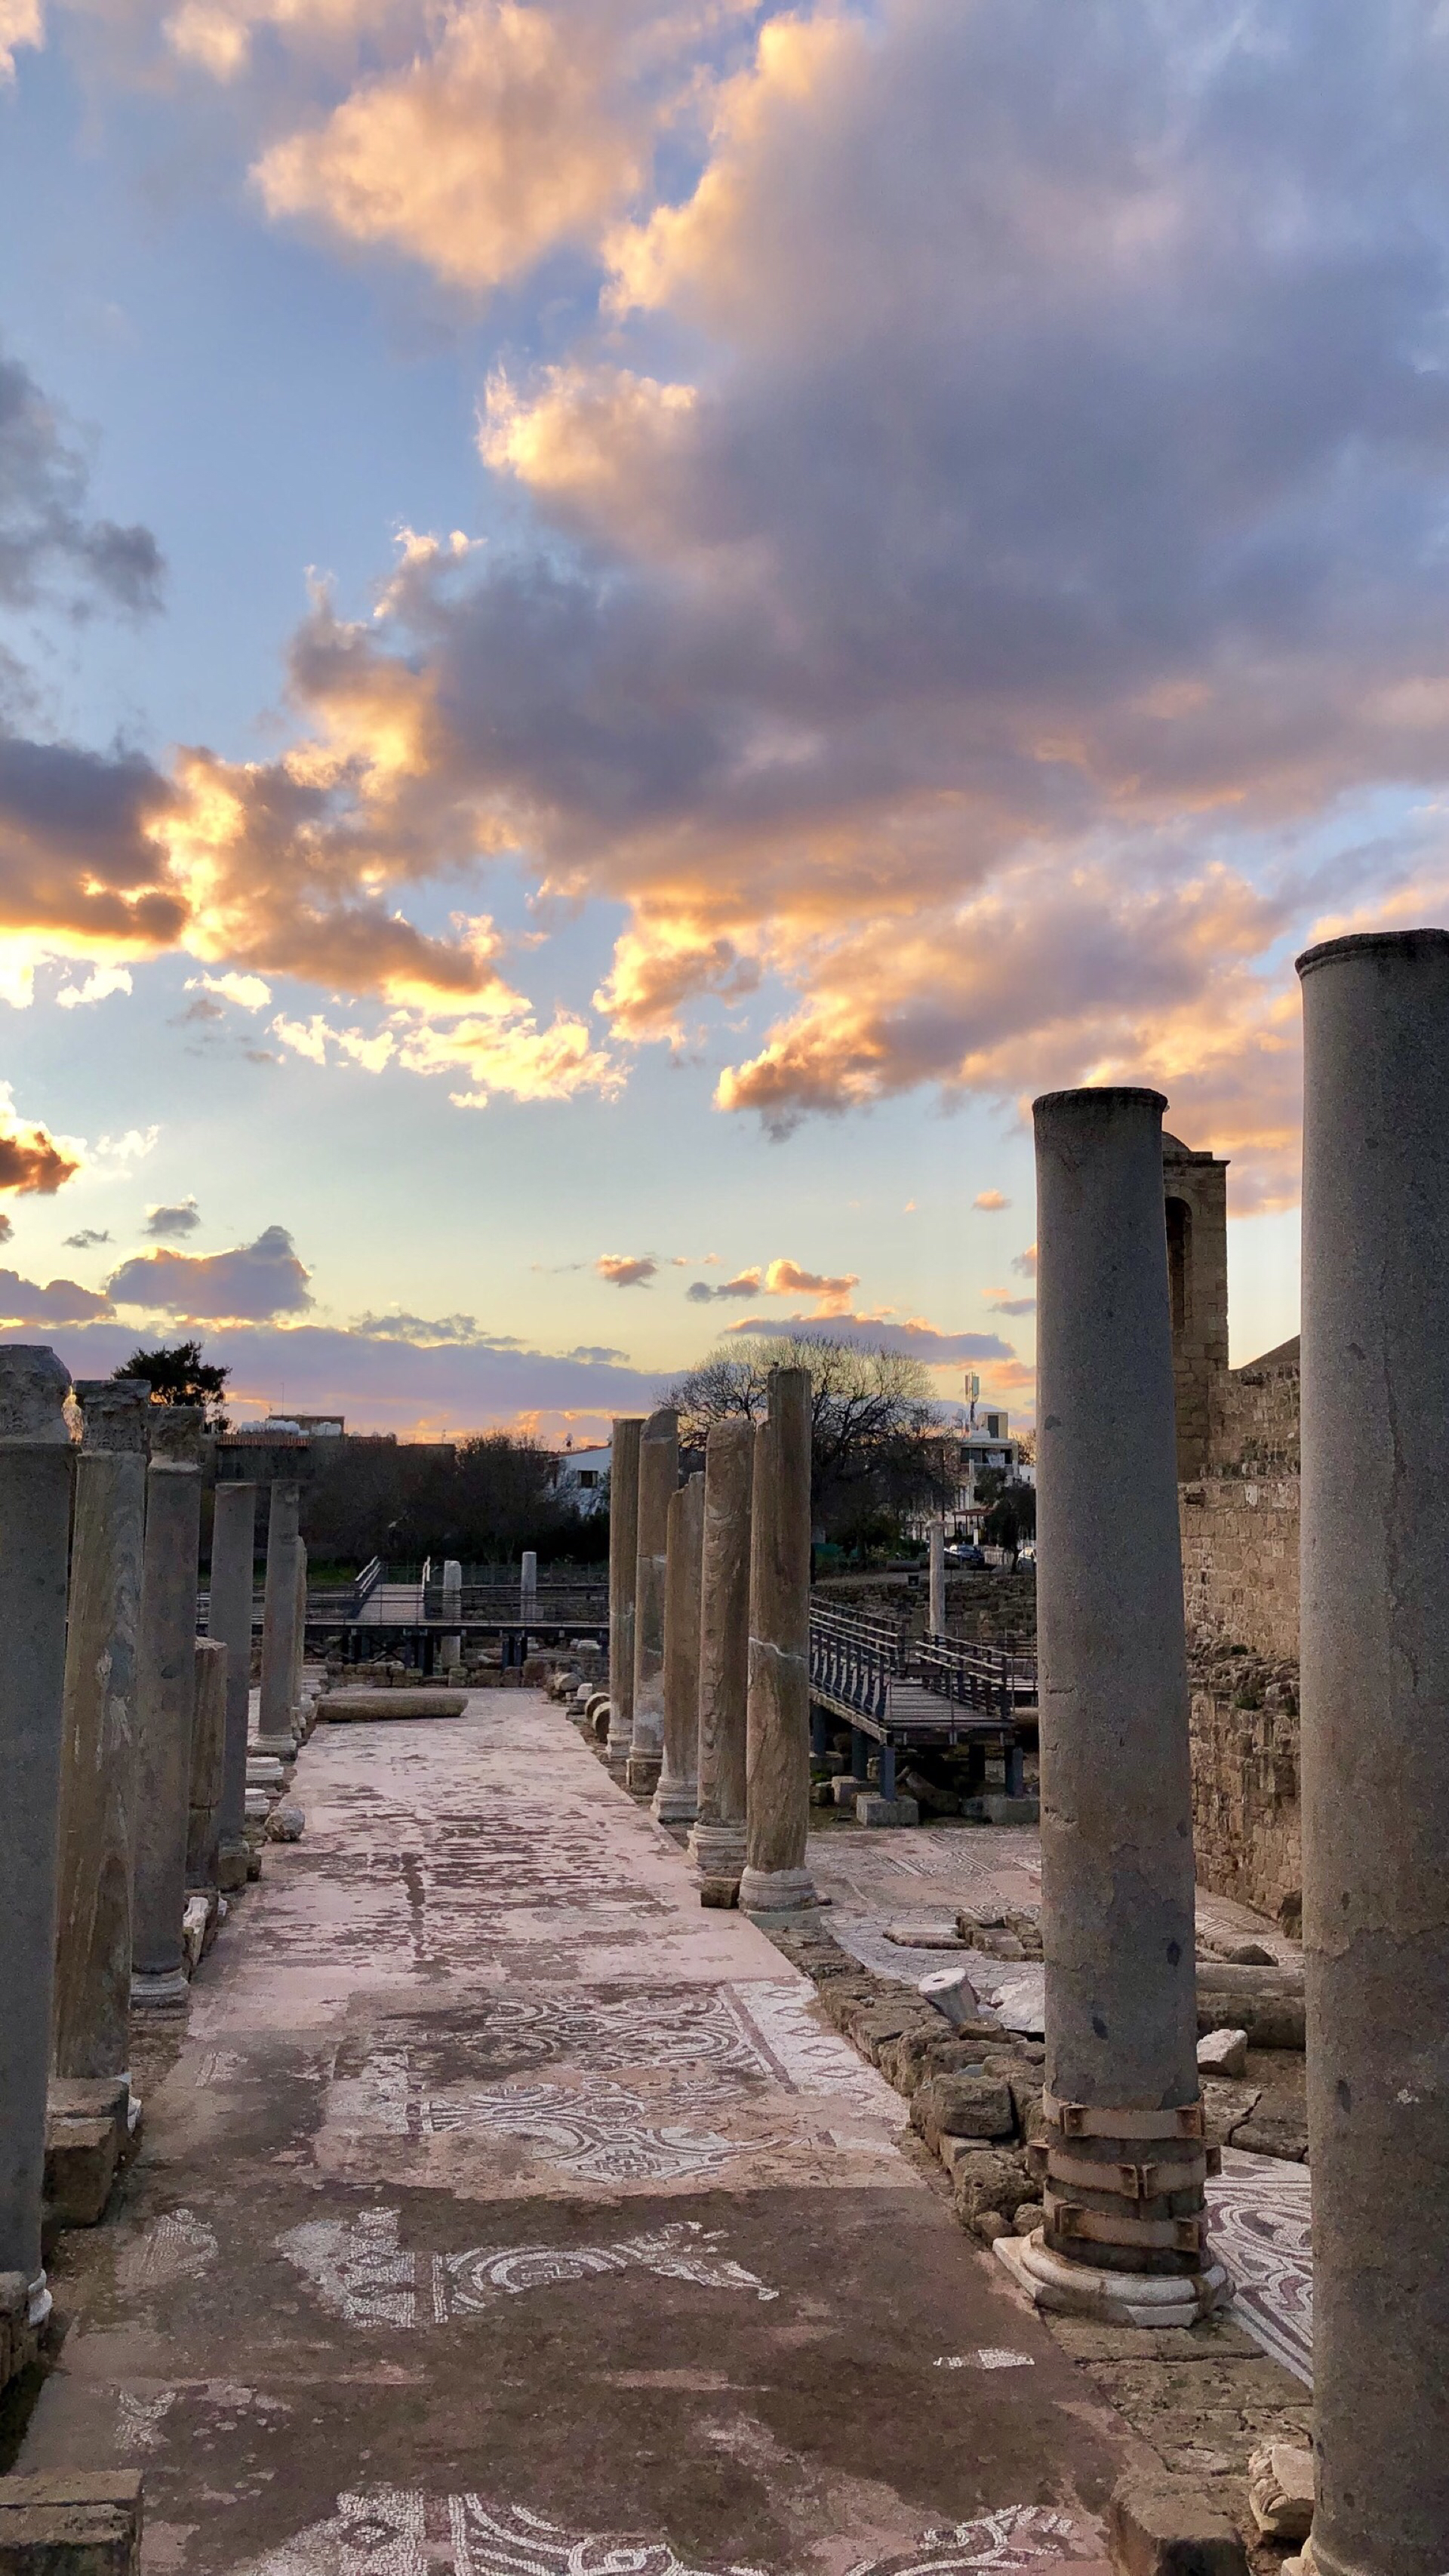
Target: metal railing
992, 1681
853, 1662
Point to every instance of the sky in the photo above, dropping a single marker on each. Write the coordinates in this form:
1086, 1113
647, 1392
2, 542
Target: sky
623, 625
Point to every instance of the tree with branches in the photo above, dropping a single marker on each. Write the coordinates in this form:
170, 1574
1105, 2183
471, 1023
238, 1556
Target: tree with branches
176, 1373
872, 1457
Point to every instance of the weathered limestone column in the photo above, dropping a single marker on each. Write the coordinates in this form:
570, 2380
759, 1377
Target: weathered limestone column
91, 2015
1375, 1743
717, 1844
165, 1705
936, 1581
35, 1473
299, 1639
676, 1800
528, 1585
777, 1752
623, 1573
275, 1733
1124, 2232
452, 1645
233, 1545
658, 1479
208, 1750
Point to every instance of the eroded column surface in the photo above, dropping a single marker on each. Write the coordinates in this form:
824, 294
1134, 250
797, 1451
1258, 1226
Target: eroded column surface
936, 1581
658, 1479
275, 1731
165, 1705
1375, 1742
299, 1641
229, 1621
208, 1753
452, 1644
717, 1843
97, 1787
676, 1800
623, 1572
1124, 2230
35, 1475
777, 1751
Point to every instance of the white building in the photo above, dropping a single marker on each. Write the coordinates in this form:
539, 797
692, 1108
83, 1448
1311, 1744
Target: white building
581, 1477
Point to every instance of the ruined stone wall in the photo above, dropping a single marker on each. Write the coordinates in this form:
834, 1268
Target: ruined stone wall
1240, 1562
1245, 1781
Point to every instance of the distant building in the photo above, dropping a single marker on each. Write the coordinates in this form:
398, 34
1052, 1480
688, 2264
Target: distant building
581, 1478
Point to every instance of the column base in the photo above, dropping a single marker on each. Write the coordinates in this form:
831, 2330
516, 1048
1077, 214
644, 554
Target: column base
231, 1866
275, 1748
676, 1802
777, 1891
1113, 2298
642, 1775
159, 1990
718, 1851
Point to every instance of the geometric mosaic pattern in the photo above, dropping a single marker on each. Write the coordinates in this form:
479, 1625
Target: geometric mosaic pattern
1260, 2227
361, 2272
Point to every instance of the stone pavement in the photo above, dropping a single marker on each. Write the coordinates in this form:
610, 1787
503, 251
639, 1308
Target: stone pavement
505, 2213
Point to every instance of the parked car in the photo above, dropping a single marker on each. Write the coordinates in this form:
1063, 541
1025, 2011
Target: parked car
967, 1556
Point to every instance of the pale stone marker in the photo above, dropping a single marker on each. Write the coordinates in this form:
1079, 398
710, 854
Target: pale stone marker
97, 1789
275, 1733
1124, 2237
1375, 1742
778, 1714
717, 1843
936, 1610
623, 1576
35, 1482
229, 1620
676, 1800
165, 1705
658, 1479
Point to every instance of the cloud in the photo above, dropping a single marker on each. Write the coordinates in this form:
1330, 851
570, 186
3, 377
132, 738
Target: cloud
626, 1270
253, 1282
31, 1160
7, 1228
184, 1218
61, 1302
746, 1283
88, 1236
787, 1279
916, 1337
49, 547
1024, 1263
991, 1201
1002, 1304
20, 24
248, 992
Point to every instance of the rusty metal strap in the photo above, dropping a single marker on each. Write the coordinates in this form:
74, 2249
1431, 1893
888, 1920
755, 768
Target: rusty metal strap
1132, 2181
1148, 2235
1081, 2120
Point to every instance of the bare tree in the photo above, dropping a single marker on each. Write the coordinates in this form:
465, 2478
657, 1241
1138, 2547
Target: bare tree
872, 1414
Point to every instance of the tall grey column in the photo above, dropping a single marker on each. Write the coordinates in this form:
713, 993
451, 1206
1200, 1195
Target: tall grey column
676, 1800
299, 1635
936, 1608
1375, 1742
35, 1472
275, 1732
777, 1751
717, 1844
528, 1585
623, 1573
658, 1479
1124, 2229
208, 1751
165, 1705
91, 2015
452, 1611
233, 1547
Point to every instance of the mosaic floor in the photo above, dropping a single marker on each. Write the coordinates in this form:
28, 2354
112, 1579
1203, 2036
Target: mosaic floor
506, 2211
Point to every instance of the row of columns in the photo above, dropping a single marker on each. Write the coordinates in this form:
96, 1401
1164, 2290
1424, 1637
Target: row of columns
123, 1737
1124, 2232
709, 1590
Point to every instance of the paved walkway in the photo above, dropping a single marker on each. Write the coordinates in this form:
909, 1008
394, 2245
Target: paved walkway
507, 2214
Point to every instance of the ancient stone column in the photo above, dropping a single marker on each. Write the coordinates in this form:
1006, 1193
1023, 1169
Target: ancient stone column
1124, 2231
936, 1580
1375, 1742
777, 1752
35, 1474
208, 1752
717, 1843
658, 1479
452, 1644
299, 1638
233, 1545
528, 1585
623, 1573
91, 2013
676, 1800
165, 1705
275, 1732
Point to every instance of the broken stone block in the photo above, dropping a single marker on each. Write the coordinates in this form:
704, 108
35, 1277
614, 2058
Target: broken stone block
1277, 2126
962, 2106
1027, 2217
72, 2522
872, 1810
1011, 1811
286, 1824
1222, 2052
1163, 2526
982, 2178
988, 2224
1280, 2491
87, 2133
